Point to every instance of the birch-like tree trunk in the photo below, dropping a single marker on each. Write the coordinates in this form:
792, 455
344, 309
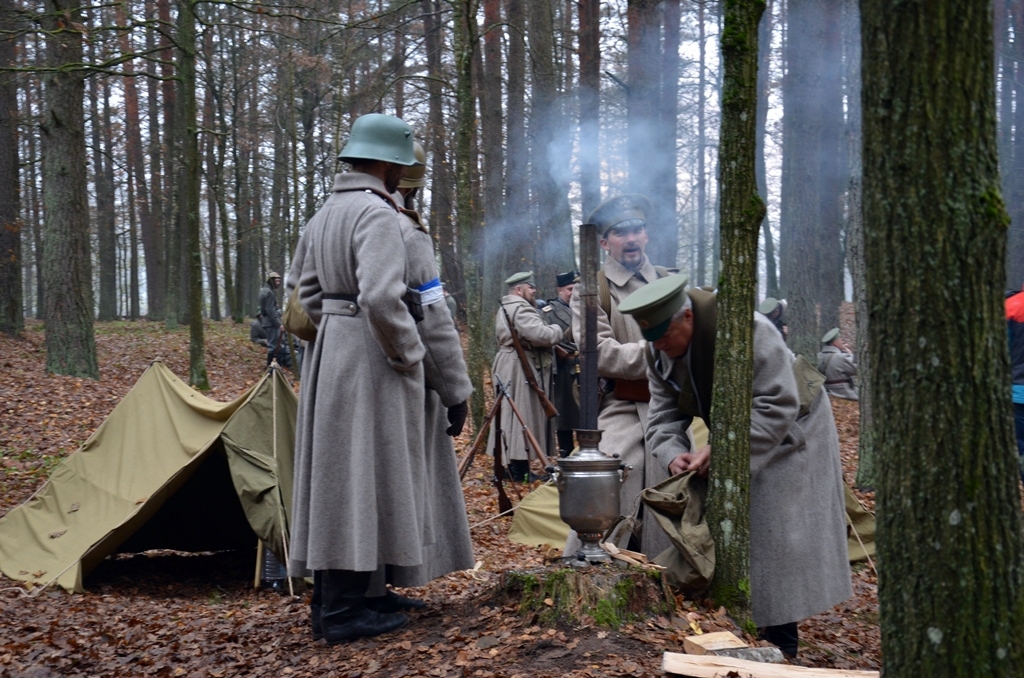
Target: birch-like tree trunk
949, 518
741, 215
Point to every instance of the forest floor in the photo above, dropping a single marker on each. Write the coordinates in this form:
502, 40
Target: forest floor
169, 614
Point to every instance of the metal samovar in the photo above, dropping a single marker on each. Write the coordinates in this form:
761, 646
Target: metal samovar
589, 481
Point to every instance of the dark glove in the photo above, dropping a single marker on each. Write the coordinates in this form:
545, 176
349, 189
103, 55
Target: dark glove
457, 418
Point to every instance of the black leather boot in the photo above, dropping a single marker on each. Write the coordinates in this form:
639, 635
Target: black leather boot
785, 636
315, 605
392, 602
519, 470
344, 615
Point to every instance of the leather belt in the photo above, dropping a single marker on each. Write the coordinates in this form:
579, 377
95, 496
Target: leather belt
340, 304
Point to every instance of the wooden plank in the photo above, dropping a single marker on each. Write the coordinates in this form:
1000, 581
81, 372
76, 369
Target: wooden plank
709, 666
709, 643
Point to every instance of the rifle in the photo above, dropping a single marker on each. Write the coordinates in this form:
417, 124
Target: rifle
531, 379
531, 440
499, 471
504, 504
478, 443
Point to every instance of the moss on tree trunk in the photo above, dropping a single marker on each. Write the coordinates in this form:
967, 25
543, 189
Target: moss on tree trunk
949, 531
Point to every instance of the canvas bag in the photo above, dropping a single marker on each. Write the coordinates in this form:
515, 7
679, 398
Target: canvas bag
677, 504
296, 320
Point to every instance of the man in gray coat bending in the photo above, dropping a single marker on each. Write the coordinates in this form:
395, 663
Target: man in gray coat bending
798, 560
360, 462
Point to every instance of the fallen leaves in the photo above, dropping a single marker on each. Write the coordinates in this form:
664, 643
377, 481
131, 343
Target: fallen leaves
168, 614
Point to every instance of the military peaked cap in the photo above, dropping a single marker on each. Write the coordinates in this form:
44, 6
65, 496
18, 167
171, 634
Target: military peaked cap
830, 336
625, 211
652, 306
567, 278
523, 277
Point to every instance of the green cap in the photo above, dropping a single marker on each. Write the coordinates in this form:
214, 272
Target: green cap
625, 211
520, 278
768, 305
652, 306
376, 136
830, 336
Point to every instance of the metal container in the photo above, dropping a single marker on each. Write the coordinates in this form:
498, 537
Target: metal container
589, 483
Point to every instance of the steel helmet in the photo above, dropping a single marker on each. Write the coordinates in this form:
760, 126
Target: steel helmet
414, 176
380, 137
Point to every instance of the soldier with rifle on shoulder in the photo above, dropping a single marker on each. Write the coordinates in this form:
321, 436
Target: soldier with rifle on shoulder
524, 363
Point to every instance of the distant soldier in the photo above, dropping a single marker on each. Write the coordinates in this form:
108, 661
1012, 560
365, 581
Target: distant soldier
270, 315
256, 333
837, 363
567, 360
537, 337
774, 309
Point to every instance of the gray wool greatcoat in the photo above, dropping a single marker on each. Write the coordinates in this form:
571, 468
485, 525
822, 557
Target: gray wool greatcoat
620, 355
359, 455
563, 395
537, 338
447, 544
799, 564
839, 369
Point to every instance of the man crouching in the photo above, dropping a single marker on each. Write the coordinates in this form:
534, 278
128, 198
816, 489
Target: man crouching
798, 559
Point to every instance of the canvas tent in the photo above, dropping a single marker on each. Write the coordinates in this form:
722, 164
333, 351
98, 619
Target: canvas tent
168, 469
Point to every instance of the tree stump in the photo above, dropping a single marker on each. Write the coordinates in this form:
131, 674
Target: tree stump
603, 594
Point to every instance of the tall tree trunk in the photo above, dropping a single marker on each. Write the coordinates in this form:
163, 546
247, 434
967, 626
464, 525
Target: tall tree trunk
208, 153
136, 167
646, 149
187, 201
949, 518
764, 46
549, 156
67, 261
104, 190
668, 102
866, 467
590, 104
702, 172
519, 250
493, 165
153, 238
12, 320
469, 231
35, 191
441, 181
1014, 170
810, 249
742, 212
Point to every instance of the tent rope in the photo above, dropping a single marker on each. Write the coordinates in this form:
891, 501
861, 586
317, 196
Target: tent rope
280, 497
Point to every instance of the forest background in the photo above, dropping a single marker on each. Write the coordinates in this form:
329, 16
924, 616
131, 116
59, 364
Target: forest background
159, 158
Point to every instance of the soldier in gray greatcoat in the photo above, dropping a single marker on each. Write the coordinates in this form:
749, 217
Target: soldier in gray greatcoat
537, 338
360, 465
836, 362
567, 360
798, 559
449, 547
